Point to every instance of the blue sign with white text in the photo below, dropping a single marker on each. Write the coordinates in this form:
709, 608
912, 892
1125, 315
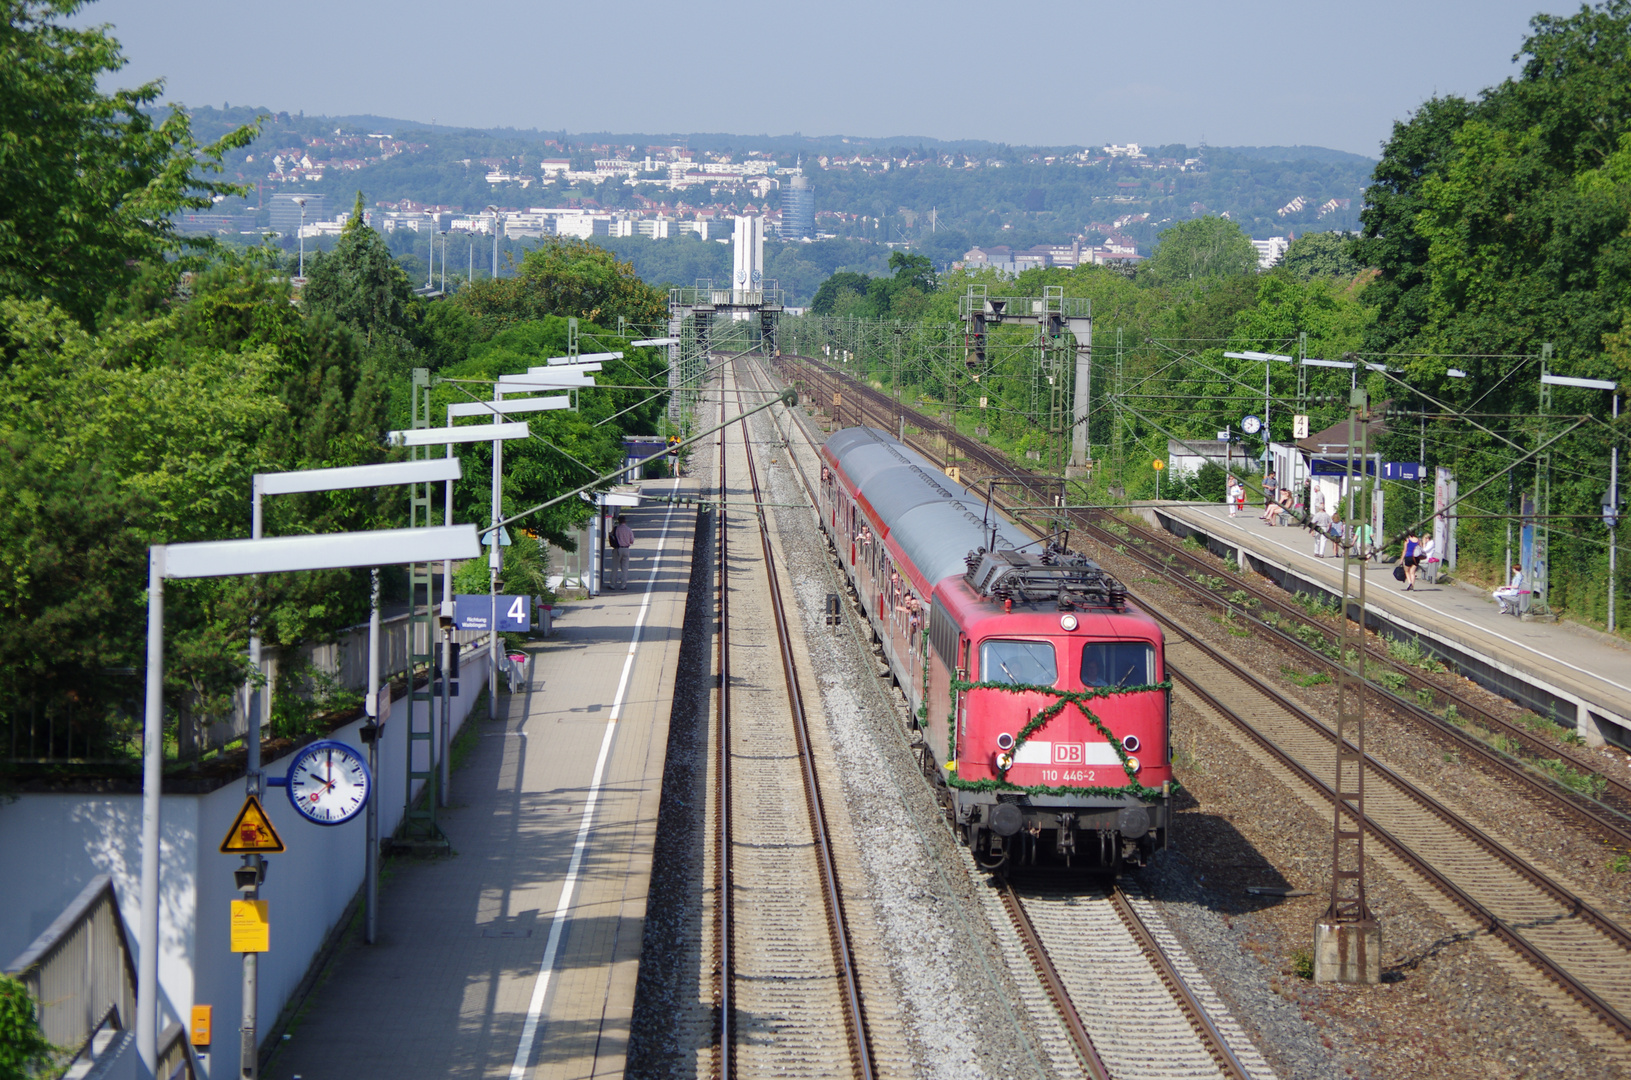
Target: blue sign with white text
474, 612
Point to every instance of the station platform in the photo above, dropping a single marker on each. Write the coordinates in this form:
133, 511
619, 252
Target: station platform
1581, 675
517, 955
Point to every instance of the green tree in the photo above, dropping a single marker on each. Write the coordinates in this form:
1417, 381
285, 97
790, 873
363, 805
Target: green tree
1201, 248
88, 181
1321, 254
567, 277
360, 283
828, 294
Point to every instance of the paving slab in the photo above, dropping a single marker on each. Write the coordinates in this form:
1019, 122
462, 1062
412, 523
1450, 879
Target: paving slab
516, 956
1572, 662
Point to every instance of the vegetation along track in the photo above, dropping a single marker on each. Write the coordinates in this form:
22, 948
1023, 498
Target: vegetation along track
784, 977
1580, 950
1118, 984
1557, 777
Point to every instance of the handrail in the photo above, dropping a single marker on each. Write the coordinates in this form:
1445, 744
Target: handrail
80, 968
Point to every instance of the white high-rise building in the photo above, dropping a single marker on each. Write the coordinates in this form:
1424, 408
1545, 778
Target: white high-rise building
748, 256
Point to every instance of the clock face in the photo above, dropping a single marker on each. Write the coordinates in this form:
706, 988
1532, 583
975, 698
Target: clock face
1251, 425
329, 783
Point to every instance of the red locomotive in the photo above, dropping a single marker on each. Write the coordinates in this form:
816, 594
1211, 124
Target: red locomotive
1040, 691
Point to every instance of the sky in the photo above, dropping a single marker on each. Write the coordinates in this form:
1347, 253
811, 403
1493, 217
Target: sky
1242, 73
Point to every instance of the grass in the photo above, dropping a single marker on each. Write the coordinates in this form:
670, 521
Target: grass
1591, 784
1302, 964
1228, 621
1312, 678
1619, 864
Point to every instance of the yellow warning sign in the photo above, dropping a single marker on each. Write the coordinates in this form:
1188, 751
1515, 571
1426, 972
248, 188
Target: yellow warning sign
251, 932
251, 832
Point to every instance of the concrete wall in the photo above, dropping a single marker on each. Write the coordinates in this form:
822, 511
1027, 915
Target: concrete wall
51, 845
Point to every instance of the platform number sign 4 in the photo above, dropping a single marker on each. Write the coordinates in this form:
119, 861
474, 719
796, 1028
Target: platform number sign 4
1299, 426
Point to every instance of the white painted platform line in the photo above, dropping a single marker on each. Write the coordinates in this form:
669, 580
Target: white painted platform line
557, 923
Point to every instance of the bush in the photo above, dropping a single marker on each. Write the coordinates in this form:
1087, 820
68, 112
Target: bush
23, 1049
1210, 482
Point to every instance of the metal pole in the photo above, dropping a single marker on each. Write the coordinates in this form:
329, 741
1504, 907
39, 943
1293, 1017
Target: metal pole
302, 203
444, 260
495, 560
147, 955
248, 1059
1614, 502
370, 926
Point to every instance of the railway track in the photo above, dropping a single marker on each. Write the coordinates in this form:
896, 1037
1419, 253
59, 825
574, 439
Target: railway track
1581, 952
1269, 612
1117, 980
789, 996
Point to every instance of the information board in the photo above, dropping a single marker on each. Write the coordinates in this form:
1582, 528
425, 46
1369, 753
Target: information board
474, 612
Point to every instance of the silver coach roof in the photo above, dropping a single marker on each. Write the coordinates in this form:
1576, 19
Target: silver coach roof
936, 522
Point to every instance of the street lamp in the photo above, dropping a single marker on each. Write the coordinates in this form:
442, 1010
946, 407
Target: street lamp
493, 210
301, 202
238, 558
345, 478
1267, 359
498, 433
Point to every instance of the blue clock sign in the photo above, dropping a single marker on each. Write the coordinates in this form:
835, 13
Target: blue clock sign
328, 782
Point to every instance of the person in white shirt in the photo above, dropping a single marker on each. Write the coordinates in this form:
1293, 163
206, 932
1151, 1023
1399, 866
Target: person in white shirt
1234, 495
1506, 597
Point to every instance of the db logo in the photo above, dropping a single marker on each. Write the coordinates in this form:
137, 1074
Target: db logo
1067, 753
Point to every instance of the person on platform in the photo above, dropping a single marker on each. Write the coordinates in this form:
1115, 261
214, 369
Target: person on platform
1230, 491
1429, 559
622, 541
1271, 489
1322, 530
1411, 560
1506, 597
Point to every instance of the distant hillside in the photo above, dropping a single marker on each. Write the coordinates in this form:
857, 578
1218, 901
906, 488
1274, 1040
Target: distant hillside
1300, 153
938, 197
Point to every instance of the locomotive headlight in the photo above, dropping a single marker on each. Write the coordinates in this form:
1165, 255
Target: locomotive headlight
1005, 762
1131, 743
1068, 621
1005, 741
1133, 765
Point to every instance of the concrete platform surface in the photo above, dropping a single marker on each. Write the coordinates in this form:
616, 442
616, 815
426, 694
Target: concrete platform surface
517, 956
1572, 662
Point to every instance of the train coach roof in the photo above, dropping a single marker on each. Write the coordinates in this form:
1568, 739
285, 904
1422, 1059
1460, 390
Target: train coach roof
936, 522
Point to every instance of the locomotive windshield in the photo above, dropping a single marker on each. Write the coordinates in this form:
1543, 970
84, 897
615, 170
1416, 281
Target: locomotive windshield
1030, 662
1118, 663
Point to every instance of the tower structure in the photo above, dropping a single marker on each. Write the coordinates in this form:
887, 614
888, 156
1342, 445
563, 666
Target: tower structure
747, 257
798, 208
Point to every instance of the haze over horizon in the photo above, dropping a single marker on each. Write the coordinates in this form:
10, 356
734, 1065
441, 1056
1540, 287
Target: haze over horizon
1258, 73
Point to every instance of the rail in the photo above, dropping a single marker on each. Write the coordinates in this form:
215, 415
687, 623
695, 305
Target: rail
1053, 983
854, 1015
